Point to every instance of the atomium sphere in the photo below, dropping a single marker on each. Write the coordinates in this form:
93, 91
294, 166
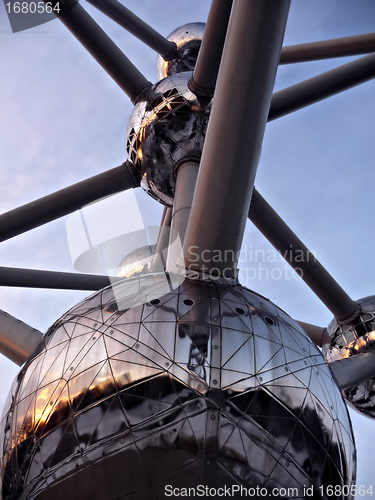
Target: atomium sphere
188, 39
162, 133
355, 337
209, 385
136, 262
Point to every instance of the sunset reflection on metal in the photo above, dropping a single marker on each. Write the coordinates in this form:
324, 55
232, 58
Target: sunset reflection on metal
117, 389
353, 339
164, 132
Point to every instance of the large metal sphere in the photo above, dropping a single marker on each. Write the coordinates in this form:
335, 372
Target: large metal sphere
210, 385
344, 341
162, 133
188, 39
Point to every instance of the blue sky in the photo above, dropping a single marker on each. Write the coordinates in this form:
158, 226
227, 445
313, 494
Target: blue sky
62, 120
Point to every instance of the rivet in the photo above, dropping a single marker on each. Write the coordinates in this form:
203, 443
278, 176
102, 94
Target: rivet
213, 417
214, 381
216, 347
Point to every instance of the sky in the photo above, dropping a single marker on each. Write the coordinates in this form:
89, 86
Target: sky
62, 120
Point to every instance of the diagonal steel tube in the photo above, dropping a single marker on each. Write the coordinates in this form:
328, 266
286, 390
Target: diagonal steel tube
313, 331
204, 77
327, 49
67, 200
350, 372
301, 259
134, 25
35, 278
234, 136
18, 341
322, 86
106, 52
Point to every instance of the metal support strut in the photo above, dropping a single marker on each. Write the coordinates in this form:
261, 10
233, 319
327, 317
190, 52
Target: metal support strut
234, 136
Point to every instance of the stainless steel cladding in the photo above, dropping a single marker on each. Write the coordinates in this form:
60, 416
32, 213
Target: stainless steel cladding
188, 39
351, 339
209, 385
164, 132
138, 262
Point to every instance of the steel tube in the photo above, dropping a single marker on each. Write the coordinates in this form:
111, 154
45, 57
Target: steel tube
301, 259
186, 178
105, 52
313, 331
234, 136
204, 77
18, 341
322, 86
34, 278
134, 25
67, 200
186, 173
159, 260
327, 49
354, 370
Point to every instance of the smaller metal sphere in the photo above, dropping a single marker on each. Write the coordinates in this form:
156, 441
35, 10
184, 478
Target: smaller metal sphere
137, 262
351, 339
165, 131
188, 39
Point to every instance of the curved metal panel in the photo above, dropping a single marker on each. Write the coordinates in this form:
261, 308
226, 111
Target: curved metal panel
210, 384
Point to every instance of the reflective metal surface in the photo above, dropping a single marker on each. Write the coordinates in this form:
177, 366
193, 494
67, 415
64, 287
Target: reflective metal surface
188, 39
137, 262
355, 337
164, 132
211, 384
